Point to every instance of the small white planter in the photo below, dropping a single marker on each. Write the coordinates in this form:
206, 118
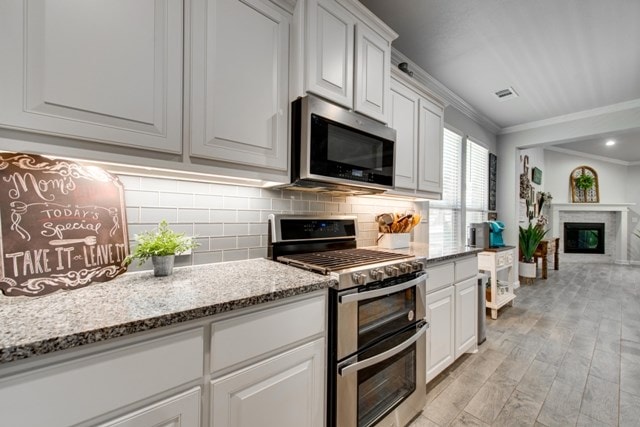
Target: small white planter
527, 269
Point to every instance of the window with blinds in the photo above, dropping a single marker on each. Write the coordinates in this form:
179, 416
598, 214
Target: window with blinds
445, 214
477, 183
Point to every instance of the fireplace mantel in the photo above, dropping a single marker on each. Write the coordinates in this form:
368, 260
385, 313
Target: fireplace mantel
620, 209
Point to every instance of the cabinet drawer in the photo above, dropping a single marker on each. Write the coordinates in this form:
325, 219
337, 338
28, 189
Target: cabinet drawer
466, 268
440, 277
101, 383
508, 259
501, 259
242, 338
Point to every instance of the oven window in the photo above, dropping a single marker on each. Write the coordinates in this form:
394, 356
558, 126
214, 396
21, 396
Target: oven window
383, 386
382, 316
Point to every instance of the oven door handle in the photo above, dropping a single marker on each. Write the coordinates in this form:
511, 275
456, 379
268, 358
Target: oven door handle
346, 367
359, 296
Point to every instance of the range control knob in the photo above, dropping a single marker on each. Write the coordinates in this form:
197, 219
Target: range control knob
417, 265
405, 268
358, 278
391, 271
376, 274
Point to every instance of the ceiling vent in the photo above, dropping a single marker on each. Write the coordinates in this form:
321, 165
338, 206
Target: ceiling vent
507, 93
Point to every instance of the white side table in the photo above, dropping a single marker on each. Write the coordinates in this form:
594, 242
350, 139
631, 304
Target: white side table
493, 261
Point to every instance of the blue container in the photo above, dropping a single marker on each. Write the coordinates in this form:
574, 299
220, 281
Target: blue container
495, 234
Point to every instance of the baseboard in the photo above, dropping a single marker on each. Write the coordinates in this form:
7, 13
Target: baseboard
620, 262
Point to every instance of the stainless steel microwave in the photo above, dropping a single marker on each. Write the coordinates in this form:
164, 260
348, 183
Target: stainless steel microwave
334, 149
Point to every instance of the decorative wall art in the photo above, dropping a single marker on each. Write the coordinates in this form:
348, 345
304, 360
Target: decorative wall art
536, 176
584, 185
62, 225
493, 171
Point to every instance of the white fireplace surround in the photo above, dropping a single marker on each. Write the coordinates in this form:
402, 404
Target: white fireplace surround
620, 209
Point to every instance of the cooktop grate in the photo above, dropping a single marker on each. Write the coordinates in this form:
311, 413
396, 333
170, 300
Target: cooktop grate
328, 261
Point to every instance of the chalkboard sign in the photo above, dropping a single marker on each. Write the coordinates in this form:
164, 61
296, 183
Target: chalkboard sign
62, 225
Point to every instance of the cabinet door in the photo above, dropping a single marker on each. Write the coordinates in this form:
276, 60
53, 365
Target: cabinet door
430, 147
329, 64
284, 391
239, 82
373, 65
101, 70
466, 315
440, 335
182, 410
404, 119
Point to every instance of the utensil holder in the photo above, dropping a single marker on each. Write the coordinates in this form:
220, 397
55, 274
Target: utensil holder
394, 240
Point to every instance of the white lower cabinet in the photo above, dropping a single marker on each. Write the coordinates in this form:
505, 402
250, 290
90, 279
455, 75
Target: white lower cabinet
284, 391
466, 315
440, 335
182, 410
452, 313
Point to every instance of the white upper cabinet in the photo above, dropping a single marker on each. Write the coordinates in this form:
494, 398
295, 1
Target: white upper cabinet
329, 53
239, 82
344, 55
99, 70
430, 147
373, 67
405, 105
419, 126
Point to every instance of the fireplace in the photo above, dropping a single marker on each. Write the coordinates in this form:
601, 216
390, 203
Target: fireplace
584, 237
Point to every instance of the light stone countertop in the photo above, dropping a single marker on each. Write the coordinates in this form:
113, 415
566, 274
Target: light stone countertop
135, 302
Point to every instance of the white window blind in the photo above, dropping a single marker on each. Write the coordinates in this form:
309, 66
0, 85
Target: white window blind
445, 214
477, 182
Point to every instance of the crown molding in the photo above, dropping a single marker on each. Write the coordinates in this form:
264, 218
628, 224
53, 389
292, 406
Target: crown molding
444, 93
627, 105
589, 156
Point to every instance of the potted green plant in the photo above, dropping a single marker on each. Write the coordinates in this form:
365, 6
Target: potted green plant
161, 245
529, 238
584, 182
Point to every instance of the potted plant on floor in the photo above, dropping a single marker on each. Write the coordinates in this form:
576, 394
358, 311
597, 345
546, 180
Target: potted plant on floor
529, 238
161, 245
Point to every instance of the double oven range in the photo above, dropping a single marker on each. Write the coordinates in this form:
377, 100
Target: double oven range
376, 328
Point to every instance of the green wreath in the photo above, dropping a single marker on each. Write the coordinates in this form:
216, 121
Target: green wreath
584, 182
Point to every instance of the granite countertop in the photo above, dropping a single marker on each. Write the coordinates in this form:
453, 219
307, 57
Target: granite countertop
435, 253
137, 302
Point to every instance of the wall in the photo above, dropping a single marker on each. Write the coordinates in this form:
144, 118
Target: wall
633, 196
612, 177
230, 221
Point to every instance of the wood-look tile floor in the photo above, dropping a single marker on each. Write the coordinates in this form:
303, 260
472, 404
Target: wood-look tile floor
566, 354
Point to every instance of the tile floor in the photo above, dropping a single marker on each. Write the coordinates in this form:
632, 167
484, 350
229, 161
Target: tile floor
567, 353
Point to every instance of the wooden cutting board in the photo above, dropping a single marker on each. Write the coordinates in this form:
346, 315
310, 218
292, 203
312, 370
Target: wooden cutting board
62, 225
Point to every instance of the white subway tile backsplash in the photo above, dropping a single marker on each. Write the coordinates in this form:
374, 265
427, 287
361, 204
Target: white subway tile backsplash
236, 229
235, 255
207, 201
158, 184
155, 215
219, 243
190, 187
208, 229
235, 202
281, 204
193, 215
141, 198
222, 215
207, 257
248, 241
230, 222
130, 182
248, 216
177, 200
262, 203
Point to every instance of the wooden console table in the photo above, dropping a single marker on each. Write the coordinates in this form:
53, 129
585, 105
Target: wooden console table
546, 248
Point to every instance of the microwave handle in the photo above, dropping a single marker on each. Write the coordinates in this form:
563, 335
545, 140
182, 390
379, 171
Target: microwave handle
359, 296
347, 368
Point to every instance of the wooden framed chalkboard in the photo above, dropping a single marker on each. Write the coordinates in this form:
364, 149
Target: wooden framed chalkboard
62, 225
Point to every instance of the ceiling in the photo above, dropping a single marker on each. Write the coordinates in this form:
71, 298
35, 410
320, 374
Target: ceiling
561, 57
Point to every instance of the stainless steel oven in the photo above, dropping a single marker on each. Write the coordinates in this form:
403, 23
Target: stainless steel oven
380, 352
376, 328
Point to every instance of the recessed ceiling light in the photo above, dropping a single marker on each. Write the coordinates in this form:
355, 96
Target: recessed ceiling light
610, 142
